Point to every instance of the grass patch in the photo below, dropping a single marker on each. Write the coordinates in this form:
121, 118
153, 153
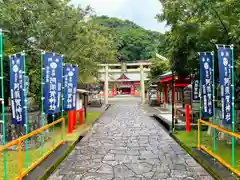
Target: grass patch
223, 149
92, 116
35, 154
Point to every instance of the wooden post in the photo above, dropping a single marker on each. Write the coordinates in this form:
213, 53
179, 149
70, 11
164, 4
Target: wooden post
81, 116
165, 94
187, 116
70, 121
106, 85
74, 119
159, 97
142, 84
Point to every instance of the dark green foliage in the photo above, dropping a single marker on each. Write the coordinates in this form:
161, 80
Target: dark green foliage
196, 26
158, 67
56, 27
132, 42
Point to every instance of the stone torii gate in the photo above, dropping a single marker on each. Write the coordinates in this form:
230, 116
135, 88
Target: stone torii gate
136, 72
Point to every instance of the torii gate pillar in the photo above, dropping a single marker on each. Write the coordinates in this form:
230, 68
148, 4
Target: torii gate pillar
142, 84
106, 85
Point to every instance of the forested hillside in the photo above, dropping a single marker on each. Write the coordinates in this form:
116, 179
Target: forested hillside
131, 41
75, 32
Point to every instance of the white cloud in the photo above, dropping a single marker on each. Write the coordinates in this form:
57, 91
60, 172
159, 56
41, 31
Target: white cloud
142, 12
102, 7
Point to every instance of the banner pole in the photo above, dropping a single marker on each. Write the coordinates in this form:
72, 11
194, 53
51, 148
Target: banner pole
42, 106
214, 110
173, 119
62, 90
233, 110
63, 125
191, 99
200, 95
53, 130
3, 111
25, 103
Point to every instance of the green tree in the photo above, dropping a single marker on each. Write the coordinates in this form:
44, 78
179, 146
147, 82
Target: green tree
56, 27
197, 26
158, 67
132, 42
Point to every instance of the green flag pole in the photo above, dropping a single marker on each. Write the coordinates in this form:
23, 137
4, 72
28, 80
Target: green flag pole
200, 95
25, 103
42, 106
62, 89
3, 111
214, 110
233, 110
53, 127
62, 100
191, 99
53, 130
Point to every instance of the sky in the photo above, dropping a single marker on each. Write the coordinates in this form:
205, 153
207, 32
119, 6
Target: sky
141, 12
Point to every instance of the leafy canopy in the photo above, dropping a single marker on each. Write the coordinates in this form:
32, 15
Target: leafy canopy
196, 26
131, 41
54, 26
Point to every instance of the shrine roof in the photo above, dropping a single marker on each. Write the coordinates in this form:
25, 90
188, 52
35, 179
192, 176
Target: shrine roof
82, 91
123, 76
167, 77
159, 77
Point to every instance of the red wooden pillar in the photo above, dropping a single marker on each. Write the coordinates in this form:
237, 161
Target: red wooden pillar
114, 91
74, 119
81, 116
159, 97
187, 115
165, 94
131, 90
70, 121
174, 101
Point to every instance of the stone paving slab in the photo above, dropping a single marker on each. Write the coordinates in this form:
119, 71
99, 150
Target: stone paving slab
126, 144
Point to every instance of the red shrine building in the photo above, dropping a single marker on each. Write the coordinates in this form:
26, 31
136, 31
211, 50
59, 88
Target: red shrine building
164, 83
125, 78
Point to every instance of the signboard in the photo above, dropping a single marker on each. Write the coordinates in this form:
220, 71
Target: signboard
153, 94
195, 89
16, 88
206, 77
187, 95
52, 83
70, 87
225, 77
129, 83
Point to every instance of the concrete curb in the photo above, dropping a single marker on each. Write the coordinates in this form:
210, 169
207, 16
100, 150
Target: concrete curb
52, 168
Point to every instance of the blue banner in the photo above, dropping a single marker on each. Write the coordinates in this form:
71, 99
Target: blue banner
16, 88
206, 77
70, 87
52, 83
225, 77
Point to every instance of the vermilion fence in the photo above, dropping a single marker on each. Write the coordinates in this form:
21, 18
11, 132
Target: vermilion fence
43, 151
214, 152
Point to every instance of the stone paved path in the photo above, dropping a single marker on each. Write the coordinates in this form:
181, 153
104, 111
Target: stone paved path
126, 144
